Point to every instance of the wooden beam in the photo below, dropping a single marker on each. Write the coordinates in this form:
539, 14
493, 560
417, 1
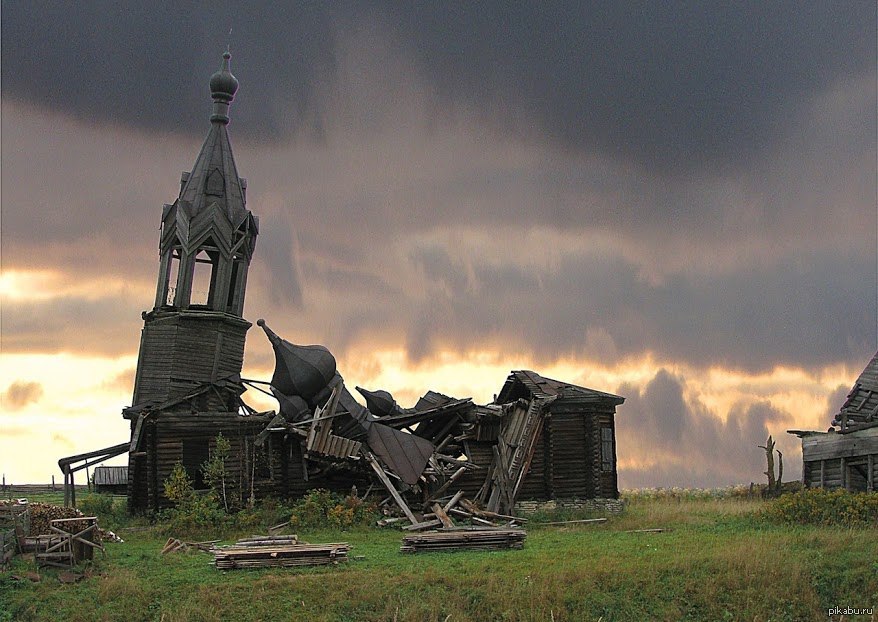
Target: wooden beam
442, 516
390, 487
454, 477
453, 501
870, 483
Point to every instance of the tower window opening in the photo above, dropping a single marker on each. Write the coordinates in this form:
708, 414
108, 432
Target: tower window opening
173, 274
237, 269
203, 279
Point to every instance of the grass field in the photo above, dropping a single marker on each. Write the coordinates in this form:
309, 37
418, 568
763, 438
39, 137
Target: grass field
716, 560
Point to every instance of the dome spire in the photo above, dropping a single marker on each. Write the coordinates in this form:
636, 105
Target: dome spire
223, 86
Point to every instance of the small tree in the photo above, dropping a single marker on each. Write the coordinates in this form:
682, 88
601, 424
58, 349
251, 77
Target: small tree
178, 486
214, 468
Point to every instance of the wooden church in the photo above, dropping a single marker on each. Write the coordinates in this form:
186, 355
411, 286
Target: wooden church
541, 440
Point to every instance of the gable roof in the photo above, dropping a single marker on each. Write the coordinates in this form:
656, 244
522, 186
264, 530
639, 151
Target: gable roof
541, 386
861, 405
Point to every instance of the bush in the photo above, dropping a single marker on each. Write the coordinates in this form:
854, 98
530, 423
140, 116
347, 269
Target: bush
817, 506
321, 508
193, 513
111, 512
200, 515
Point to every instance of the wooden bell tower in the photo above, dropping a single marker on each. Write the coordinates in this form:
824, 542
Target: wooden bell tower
195, 332
187, 385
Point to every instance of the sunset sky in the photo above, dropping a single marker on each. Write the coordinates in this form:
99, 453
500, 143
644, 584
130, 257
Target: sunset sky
672, 201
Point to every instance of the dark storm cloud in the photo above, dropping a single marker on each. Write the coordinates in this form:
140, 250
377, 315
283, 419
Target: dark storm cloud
132, 63
809, 312
670, 86
681, 441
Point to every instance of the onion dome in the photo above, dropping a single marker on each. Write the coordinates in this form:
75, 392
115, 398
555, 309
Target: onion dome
299, 370
223, 86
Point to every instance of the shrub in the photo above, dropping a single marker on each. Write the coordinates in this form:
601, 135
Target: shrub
178, 486
214, 469
193, 513
817, 506
321, 508
110, 512
201, 514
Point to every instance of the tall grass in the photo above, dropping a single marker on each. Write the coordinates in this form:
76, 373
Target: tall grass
715, 560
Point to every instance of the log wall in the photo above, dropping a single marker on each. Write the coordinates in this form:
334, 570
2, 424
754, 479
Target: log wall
179, 350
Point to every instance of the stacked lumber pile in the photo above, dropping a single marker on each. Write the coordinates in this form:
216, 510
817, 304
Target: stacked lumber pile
272, 540
278, 551
464, 540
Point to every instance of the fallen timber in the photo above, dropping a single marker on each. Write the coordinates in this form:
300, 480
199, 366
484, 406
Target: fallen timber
277, 551
464, 540
282, 555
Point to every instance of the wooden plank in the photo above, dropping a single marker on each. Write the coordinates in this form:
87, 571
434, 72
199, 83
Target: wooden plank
390, 487
442, 516
454, 477
454, 500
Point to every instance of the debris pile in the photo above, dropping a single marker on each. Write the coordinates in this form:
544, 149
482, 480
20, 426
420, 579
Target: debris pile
427, 457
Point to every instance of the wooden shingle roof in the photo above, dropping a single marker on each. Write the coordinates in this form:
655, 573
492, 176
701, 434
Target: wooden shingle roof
861, 405
538, 385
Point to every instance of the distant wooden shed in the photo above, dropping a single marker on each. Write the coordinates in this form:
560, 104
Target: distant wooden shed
847, 455
111, 479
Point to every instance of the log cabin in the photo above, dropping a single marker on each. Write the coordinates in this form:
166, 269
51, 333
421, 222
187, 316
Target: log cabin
846, 456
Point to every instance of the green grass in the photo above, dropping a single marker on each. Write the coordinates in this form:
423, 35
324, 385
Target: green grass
716, 561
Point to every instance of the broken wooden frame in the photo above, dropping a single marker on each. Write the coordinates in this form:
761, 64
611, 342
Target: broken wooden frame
69, 467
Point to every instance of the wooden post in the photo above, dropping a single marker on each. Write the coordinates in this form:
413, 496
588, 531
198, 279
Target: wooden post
870, 463
823, 473
390, 488
53, 482
844, 473
72, 490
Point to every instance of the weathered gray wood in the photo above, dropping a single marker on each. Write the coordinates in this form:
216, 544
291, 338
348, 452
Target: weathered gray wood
390, 488
829, 446
871, 467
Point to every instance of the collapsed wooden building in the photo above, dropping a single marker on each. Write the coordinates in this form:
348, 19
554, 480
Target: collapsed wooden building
846, 456
540, 440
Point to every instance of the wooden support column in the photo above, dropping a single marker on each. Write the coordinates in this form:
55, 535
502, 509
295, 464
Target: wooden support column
823, 473
844, 473
870, 485
72, 490
390, 488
